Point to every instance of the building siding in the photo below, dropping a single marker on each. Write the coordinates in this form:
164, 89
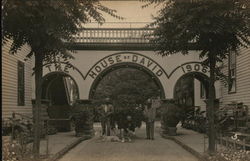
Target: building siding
9, 81
198, 101
242, 93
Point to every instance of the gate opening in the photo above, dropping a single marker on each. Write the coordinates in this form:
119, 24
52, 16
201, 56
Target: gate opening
61, 91
127, 87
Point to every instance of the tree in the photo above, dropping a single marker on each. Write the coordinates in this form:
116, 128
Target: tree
45, 26
127, 87
213, 27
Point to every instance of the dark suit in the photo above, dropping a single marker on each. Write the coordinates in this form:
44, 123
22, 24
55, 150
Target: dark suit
105, 112
150, 114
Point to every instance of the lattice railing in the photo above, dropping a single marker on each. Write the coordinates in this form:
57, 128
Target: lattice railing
114, 35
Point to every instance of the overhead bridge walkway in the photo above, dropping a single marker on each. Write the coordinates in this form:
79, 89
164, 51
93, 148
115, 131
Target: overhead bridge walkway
115, 38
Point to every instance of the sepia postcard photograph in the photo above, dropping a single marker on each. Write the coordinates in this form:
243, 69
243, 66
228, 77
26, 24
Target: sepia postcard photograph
125, 80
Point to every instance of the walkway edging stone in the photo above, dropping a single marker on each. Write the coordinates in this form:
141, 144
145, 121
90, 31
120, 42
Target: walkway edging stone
186, 147
67, 148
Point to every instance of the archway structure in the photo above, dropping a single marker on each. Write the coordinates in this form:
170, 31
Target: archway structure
126, 65
60, 83
62, 68
185, 89
89, 67
194, 68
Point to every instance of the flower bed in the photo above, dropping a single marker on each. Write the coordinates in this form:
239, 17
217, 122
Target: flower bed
16, 151
231, 155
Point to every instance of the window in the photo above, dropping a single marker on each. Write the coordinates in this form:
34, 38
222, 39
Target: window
232, 72
202, 91
20, 85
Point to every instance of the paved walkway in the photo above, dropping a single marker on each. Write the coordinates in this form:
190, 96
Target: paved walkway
194, 140
139, 149
57, 142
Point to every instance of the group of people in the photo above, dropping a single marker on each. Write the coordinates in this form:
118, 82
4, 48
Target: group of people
125, 122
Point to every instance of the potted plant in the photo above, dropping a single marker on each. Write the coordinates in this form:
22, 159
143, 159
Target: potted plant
171, 116
83, 118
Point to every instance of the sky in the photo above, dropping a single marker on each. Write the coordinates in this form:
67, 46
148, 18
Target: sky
132, 11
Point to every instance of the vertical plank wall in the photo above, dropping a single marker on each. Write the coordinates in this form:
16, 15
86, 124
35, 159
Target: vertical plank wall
9, 81
242, 93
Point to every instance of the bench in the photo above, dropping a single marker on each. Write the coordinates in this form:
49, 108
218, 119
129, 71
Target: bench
239, 112
61, 124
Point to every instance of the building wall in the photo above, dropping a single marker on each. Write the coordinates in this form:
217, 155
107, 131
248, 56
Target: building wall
9, 81
198, 101
242, 93
85, 63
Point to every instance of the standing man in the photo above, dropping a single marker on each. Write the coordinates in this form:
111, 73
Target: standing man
106, 112
150, 114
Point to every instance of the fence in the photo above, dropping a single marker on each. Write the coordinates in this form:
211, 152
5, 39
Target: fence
114, 35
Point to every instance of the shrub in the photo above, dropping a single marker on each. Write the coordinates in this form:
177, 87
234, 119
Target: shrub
83, 118
171, 114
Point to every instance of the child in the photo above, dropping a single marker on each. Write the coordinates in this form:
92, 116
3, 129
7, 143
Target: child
127, 127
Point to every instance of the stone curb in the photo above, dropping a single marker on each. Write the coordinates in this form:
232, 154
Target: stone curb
186, 147
67, 148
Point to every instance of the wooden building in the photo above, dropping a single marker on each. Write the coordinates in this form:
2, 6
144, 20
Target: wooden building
237, 67
237, 90
16, 81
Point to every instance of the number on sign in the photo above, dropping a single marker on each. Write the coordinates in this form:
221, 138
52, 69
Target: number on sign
197, 67
189, 68
204, 69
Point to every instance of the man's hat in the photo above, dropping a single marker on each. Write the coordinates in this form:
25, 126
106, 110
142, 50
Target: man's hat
149, 100
129, 118
107, 100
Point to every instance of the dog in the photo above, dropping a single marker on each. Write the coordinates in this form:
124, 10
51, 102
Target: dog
111, 139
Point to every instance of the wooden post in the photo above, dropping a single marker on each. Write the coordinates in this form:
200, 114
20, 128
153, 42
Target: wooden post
221, 139
216, 144
47, 138
244, 144
204, 143
12, 126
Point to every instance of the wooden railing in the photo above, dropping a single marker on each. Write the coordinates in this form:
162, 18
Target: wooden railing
114, 35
